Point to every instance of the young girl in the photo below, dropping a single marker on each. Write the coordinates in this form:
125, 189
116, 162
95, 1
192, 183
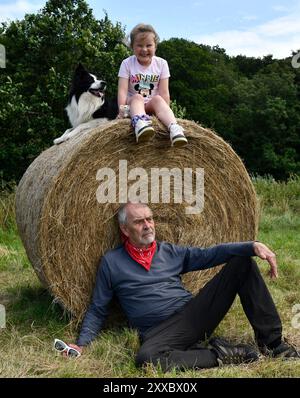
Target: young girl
144, 86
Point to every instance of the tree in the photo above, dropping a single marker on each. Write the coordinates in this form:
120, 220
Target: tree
266, 121
43, 50
252, 103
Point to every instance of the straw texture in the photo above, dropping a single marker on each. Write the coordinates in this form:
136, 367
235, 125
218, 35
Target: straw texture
65, 230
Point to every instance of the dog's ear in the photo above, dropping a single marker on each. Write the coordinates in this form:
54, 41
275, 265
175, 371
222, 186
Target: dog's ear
80, 68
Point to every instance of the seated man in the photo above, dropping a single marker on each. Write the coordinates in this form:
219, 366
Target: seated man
145, 276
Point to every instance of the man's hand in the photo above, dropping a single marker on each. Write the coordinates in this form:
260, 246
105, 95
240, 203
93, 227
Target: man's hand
263, 252
77, 347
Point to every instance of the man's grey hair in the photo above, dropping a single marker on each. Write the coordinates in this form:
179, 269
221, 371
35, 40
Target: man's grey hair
122, 212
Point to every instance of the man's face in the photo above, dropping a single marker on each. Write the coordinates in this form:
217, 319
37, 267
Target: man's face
140, 225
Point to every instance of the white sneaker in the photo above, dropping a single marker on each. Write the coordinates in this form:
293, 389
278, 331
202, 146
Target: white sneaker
177, 136
143, 130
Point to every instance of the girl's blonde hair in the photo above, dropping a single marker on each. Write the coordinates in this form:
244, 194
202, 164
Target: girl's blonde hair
143, 28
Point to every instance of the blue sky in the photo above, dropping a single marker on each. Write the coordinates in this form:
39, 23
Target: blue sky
252, 28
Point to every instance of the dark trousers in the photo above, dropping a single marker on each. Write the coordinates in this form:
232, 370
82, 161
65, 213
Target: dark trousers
171, 342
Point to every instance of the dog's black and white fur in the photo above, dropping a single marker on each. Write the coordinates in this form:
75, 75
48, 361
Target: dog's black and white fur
87, 106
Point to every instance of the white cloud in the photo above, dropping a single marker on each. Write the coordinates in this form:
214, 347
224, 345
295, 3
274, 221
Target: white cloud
280, 8
17, 9
249, 18
281, 26
278, 37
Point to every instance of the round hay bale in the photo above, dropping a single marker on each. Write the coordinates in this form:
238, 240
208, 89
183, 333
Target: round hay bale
66, 229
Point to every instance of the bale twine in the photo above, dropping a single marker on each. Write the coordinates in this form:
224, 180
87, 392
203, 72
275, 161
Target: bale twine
65, 230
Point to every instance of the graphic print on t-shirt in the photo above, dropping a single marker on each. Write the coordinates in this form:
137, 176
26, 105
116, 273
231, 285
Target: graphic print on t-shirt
143, 84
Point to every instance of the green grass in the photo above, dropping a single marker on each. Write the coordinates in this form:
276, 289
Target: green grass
33, 320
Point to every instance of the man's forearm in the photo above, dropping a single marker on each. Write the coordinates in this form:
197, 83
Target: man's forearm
224, 251
90, 328
219, 254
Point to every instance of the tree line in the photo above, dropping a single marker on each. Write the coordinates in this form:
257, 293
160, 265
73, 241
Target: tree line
253, 103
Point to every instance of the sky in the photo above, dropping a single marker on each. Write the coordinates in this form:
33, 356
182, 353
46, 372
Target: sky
252, 28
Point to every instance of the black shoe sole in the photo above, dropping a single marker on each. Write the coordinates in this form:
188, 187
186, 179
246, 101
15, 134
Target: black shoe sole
145, 134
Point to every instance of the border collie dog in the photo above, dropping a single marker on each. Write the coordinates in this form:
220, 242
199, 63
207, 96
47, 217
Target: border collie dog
87, 105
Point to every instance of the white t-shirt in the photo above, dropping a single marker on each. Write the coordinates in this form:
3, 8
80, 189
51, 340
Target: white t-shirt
144, 79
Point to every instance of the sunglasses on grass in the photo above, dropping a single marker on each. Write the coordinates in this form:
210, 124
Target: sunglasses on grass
61, 346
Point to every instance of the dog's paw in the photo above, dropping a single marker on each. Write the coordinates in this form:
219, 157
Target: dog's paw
57, 141
60, 140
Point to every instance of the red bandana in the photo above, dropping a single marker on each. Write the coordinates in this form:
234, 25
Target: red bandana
141, 256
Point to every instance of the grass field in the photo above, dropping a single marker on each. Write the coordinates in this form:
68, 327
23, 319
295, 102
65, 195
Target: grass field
33, 321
